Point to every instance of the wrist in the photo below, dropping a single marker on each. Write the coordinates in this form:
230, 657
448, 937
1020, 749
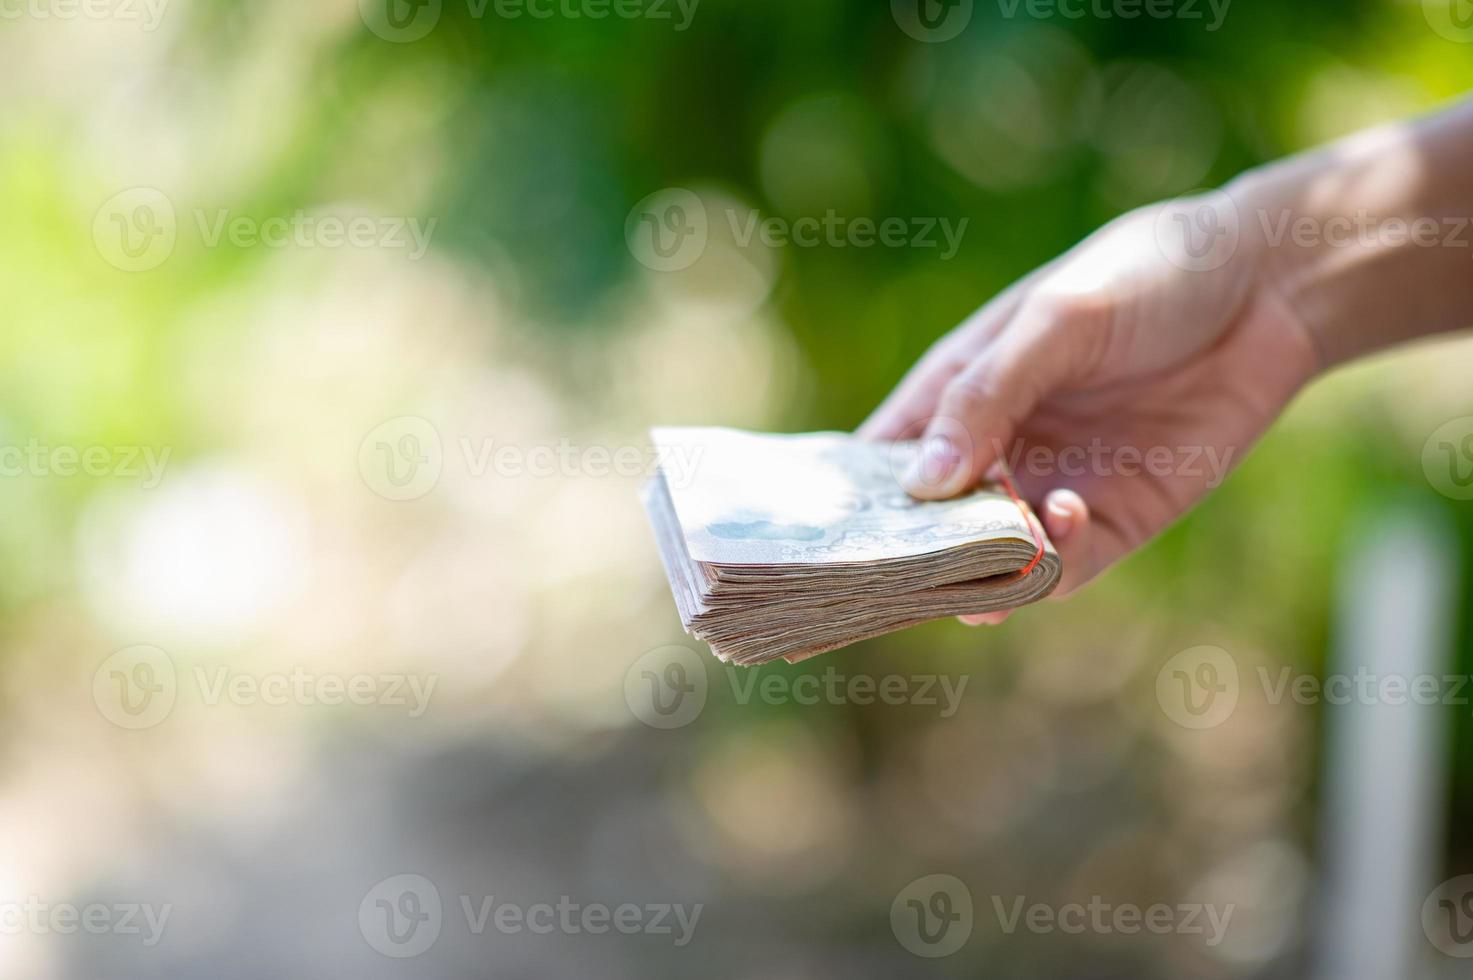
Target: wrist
1285, 277
1367, 243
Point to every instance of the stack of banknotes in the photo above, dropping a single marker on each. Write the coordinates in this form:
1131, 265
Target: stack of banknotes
788, 546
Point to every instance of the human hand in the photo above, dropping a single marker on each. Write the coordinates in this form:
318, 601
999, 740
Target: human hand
1119, 383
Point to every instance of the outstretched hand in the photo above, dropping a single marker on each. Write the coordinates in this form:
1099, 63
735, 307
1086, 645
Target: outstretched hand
1118, 384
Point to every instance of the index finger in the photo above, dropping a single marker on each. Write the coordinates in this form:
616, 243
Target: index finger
914, 400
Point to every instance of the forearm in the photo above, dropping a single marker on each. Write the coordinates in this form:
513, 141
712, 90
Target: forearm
1369, 239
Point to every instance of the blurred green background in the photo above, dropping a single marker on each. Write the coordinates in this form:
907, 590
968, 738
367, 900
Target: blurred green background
525, 145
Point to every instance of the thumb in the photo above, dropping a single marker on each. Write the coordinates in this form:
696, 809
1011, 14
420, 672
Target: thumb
1066, 518
1067, 521
981, 408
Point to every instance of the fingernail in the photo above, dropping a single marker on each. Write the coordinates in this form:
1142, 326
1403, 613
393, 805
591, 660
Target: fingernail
935, 465
1061, 518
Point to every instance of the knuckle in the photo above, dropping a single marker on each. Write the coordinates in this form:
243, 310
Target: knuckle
1063, 308
948, 356
971, 394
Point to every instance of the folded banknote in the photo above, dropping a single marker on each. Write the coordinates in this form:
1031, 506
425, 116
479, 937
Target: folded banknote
787, 546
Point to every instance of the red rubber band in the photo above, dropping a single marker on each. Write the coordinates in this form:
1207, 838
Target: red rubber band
1028, 518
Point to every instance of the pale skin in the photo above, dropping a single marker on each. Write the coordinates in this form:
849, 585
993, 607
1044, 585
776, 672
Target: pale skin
1152, 333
